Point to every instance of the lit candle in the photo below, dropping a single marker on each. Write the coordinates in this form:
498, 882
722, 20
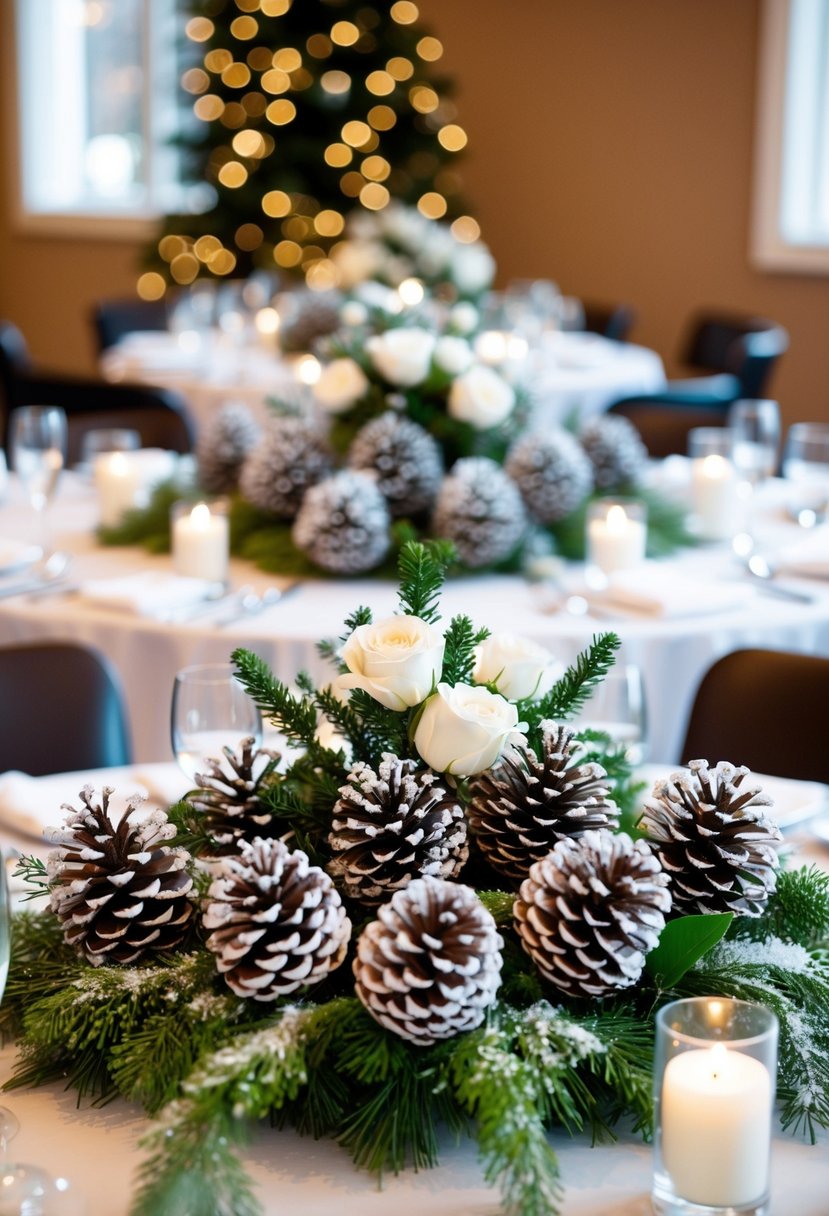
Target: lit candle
715, 496
716, 1112
118, 485
201, 542
616, 539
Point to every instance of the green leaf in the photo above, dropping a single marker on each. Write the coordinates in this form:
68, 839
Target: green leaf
682, 943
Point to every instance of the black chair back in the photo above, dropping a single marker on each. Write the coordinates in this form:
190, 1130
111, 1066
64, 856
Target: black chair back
61, 708
613, 321
747, 347
764, 709
112, 319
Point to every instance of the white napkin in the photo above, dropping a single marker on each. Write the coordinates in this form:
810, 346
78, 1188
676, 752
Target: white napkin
653, 590
809, 556
146, 593
577, 351
31, 805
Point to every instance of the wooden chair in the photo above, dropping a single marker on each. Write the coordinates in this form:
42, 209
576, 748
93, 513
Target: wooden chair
62, 709
764, 709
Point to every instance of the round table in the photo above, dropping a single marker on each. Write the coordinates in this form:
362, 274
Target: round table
672, 653
571, 372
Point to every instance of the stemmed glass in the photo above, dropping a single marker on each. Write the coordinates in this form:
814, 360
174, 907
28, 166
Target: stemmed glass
210, 710
755, 428
38, 449
617, 707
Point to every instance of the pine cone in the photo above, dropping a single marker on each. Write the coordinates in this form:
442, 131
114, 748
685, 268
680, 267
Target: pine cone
311, 315
231, 801
591, 910
405, 459
117, 890
480, 510
223, 445
615, 448
553, 473
343, 524
392, 826
713, 840
520, 808
277, 923
290, 459
430, 965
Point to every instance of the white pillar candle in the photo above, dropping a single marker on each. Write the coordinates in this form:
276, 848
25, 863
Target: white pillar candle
616, 541
201, 543
715, 497
118, 485
716, 1109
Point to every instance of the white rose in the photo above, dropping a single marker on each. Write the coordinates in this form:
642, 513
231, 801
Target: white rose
397, 661
464, 317
341, 383
356, 261
402, 356
353, 313
463, 730
453, 355
473, 268
518, 667
482, 397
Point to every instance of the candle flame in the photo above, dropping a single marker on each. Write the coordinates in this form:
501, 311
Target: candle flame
308, 369
200, 515
617, 519
719, 1056
411, 291
716, 466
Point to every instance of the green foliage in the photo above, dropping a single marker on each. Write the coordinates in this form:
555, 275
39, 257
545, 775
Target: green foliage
148, 526
422, 569
682, 943
295, 717
461, 638
33, 871
570, 692
797, 912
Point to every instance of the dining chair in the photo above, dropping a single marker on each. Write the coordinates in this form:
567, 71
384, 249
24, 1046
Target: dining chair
764, 709
663, 421
113, 319
747, 347
160, 415
613, 321
62, 709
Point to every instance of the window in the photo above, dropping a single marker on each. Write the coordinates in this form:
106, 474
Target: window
791, 193
97, 88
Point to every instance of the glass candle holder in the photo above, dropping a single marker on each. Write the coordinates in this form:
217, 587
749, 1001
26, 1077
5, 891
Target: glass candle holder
200, 535
714, 1085
616, 534
715, 484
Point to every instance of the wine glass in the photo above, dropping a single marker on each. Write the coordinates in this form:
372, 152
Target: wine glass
617, 707
806, 469
38, 449
755, 429
210, 710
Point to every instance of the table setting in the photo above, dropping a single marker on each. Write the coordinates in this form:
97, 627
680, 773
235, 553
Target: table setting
705, 964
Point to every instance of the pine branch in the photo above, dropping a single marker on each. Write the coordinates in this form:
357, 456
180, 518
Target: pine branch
295, 717
33, 871
569, 693
798, 911
459, 656
422, 568
148, 526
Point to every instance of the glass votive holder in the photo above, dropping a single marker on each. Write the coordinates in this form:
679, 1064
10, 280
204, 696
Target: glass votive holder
118, 484
616, 535
716, 499
806, 469
714, 1085
103, 440
200, 540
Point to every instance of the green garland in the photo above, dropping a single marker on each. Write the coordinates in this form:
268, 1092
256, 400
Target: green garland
166, 1032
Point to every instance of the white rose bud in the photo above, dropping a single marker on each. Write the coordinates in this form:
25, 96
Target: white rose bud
402, 356
518, 667
353, 312
453, 355
341, 383
397, 661
481, 397
464, 317
463, 730
473, 268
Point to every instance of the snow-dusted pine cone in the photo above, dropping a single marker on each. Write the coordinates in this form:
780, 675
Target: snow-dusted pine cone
615, 448
343, 524
481, 511
553, 473
405, 459
430, 965
591, 910
520, 808
311, 315
291, 458
393, 825
118, 890
276, 922
709, 830
229, 795
224, 443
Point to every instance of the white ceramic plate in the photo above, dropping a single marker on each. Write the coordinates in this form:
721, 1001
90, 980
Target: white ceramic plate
16, 555
794, 802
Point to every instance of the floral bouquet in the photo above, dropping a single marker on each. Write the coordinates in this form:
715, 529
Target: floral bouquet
446, 914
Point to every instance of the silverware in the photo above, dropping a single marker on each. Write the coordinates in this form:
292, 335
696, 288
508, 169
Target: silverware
761, 571
251, 604
47, 576
216, 598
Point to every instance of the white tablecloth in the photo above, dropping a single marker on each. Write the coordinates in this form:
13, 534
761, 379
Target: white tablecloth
97, 1149
672, 653
573, 372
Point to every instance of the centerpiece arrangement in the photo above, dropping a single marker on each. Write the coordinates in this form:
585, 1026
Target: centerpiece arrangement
449, 914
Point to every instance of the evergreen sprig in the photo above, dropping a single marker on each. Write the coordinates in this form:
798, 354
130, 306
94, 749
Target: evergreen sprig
569, 693
295, 717
797, 912
422, 568
461, 638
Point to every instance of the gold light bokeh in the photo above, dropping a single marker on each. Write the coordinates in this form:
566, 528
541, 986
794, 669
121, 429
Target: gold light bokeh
276, 203
374, 196
287, 58
352, 183
382, 118
335, 82
275, 8
224, 262
195, 80
322, 275
280, 112
356, 133
466, 229
206, 247
248, 6
199, 29
254, 104
184, 268
319, 46
171, 246
297, 228
423, 99
216, 61
244, 28
151, 286
287, 254
329, 223
404, 12
432, 205
344, 33
375, 168
430, 49
249, 237
233, 174
452, 137
380, 83
275, 81
400, 68
338, 155
209, 108
248, 143
259, 58
233, 115
312, 253
236, 75
301, 79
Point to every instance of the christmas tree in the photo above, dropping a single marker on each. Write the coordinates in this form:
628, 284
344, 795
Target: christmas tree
305, 111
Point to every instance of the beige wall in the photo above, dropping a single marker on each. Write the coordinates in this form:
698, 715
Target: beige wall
610, 149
